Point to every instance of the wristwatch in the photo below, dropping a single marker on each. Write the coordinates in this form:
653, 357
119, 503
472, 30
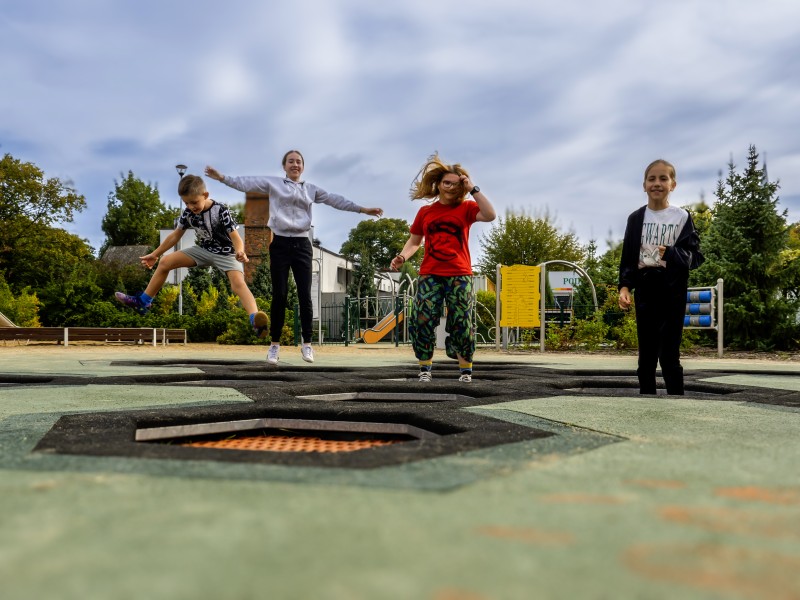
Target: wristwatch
474, 190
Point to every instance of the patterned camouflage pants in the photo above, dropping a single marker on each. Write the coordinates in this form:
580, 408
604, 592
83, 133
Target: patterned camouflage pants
433, 293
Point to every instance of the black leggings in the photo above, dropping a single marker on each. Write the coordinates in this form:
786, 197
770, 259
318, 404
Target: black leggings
293, 253
660, 311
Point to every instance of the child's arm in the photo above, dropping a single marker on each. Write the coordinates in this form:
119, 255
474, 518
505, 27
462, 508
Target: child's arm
149, 260
412, 245
486, 214
243, 184
238, 246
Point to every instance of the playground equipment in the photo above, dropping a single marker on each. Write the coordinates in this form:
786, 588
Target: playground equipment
5, 321
701, 305
381, 329
521, 290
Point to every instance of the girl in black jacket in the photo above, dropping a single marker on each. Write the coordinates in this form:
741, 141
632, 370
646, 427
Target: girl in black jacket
660, 246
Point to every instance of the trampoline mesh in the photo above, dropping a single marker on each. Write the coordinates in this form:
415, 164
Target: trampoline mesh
289, 443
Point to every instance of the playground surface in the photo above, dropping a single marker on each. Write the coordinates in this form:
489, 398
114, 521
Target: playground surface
550, 478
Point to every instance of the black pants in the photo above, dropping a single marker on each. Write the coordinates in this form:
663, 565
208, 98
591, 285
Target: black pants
293, 253
660, 311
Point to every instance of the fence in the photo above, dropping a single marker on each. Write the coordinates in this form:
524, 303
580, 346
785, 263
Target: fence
347, 323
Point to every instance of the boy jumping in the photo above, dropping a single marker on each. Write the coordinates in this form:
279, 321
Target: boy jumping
219, 245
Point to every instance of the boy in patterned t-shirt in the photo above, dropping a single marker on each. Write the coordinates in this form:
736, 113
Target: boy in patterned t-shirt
219, 245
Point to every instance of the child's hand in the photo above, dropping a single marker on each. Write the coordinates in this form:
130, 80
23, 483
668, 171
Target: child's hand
397, 262
624, 298
242, 257
148, 260
213, 173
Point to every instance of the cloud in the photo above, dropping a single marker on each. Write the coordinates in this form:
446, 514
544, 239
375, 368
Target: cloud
557, 105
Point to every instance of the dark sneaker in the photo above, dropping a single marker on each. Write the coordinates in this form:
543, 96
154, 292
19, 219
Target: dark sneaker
261, 324
134, 302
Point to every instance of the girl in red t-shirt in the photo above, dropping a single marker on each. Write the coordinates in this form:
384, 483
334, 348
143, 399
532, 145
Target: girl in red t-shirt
445, 277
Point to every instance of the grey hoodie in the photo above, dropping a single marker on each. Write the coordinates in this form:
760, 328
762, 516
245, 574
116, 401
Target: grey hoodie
290, 202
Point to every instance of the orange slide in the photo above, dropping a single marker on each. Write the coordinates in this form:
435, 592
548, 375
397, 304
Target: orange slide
384, 326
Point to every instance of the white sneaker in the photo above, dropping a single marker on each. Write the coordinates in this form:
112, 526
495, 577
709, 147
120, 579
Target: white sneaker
465, 378
272, 355
425, 376
308, 353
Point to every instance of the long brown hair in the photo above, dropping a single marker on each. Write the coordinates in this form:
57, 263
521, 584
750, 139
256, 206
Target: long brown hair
426, 183
285, 156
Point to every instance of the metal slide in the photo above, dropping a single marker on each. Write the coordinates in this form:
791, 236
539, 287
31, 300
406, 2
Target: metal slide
5, 321
377, 333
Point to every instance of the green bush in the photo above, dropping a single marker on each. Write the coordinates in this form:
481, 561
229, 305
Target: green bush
591, 333
624, 333
557, 337
23, 310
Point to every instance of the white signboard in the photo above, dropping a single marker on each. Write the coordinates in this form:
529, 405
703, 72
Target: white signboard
315, 294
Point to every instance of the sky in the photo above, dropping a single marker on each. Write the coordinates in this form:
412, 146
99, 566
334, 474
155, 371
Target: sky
553, 107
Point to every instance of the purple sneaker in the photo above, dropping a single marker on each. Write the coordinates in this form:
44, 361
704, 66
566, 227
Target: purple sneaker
133, 302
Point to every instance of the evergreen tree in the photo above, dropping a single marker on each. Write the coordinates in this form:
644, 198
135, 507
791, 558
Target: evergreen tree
746, 245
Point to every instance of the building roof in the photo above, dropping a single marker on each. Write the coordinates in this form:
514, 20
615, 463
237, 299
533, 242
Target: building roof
124, 255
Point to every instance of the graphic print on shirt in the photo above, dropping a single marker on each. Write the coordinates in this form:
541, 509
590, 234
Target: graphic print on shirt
660, 228
444, 240
211, 228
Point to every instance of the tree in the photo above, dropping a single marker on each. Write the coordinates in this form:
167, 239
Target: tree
32, 250
26, 194
746, 245
604, 272
519, 239
378, 241
135, 214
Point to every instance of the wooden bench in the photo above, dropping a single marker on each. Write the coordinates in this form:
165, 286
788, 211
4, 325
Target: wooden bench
65, 335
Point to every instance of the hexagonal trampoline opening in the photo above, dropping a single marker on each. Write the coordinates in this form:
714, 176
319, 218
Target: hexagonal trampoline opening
285, 435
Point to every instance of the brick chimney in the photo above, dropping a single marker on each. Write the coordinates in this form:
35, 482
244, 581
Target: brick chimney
258, 235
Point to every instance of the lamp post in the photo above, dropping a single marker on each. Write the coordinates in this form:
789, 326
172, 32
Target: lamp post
181, 169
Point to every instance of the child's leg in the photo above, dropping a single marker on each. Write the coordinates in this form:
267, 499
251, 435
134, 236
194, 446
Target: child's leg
258, 319
240, 288
280, 258
302, 271
461, 341
167, 263
427, 312
671, 333
648, 321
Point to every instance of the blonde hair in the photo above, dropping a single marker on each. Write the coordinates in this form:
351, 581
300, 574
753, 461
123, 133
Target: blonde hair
191, 185
426, 183
661, 161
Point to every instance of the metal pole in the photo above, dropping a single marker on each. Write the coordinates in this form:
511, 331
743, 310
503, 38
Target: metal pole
542, 294
720, 335
346, 320
319, 297
497, 309
181, 169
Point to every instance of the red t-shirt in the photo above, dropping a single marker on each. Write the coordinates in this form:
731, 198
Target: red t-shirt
446, 232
